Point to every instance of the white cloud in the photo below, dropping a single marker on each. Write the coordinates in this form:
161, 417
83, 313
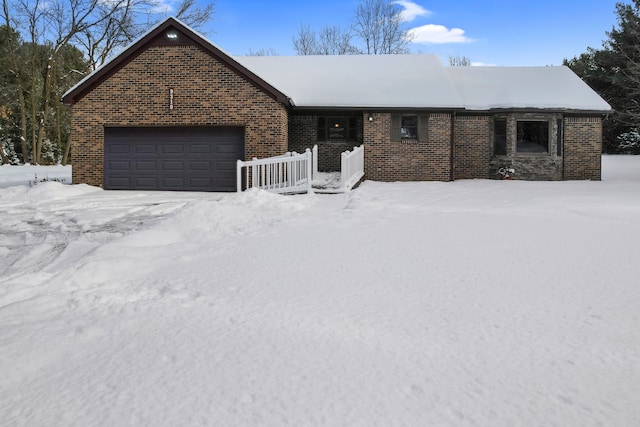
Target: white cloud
411, 10
438, 34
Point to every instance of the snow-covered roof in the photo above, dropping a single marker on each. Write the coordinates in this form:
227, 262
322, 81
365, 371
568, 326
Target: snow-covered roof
370, 81
485, 88
383, 81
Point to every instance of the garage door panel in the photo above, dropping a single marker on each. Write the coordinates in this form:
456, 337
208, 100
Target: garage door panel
227, 148
145, 183
144, 166
176, 149
226, 166
119, 149
227, 184
199, 149
173, 183
147, 148
198, 166
201, 182
184, 158
120, 181
122, 166
173, 166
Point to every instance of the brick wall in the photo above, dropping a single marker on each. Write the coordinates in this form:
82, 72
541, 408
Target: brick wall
206, 93
582, 147
407, 160
303, 134
472, 147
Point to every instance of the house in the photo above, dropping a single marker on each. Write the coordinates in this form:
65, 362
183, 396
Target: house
174, 112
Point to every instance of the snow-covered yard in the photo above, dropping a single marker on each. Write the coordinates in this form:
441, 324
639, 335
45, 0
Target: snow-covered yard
466, 303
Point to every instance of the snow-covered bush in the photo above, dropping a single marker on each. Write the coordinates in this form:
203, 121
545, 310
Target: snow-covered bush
629, 142
6, 145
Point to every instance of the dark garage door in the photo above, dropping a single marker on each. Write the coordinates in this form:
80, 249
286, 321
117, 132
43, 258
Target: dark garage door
173, 158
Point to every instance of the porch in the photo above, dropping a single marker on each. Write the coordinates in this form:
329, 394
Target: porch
298, 173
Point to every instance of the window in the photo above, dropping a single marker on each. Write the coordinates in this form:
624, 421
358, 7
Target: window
500, 136
337, 128
532, 136
409, 127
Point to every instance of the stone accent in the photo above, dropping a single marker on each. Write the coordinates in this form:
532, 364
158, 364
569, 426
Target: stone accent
529, 166
303, 134
472, 146
206, 93
407, 160
582, 147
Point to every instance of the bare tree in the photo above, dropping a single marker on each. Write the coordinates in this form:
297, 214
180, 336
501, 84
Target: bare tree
305, 43
332, 40
459, 61
117, 28
379, 24
262, 52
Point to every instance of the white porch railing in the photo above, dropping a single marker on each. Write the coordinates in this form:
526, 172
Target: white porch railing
289, 173
351, 167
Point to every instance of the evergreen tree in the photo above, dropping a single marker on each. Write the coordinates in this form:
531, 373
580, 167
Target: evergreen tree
614, 72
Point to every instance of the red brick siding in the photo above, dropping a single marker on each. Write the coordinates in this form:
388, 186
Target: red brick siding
206, 93
407, 161
582, 147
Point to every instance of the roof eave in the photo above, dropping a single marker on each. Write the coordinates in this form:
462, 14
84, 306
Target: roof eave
94, 79
538, 109
377, 108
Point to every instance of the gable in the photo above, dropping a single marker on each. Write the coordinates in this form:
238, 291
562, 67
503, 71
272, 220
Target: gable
170, 32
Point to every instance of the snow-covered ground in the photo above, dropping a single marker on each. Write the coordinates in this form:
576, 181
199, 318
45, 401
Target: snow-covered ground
465, 303
31, 174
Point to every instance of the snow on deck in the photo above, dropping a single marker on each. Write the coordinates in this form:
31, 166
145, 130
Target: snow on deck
474, 302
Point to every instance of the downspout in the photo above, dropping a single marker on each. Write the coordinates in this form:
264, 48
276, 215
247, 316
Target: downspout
453, 119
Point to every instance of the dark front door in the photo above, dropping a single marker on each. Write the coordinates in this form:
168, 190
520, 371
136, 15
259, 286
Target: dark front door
172, 158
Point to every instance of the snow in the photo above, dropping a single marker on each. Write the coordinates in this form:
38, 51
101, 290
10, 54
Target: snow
363, 81
420, 81
465, 303
30, 174
485, 88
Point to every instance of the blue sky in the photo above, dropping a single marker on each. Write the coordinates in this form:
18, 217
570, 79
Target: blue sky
491, 32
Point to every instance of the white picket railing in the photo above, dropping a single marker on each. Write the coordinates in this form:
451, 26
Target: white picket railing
314, 156
351, 167
289, 173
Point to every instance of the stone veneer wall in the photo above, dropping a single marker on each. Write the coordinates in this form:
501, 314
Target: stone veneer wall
206, 93
529, 166
582, 147
472, 146
386, 160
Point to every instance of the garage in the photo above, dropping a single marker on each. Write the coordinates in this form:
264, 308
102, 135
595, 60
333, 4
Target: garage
172, 158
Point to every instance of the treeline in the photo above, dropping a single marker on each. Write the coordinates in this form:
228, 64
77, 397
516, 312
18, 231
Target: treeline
614, 72
48, 46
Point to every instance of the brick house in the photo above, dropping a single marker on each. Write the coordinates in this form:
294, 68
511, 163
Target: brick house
175, 112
